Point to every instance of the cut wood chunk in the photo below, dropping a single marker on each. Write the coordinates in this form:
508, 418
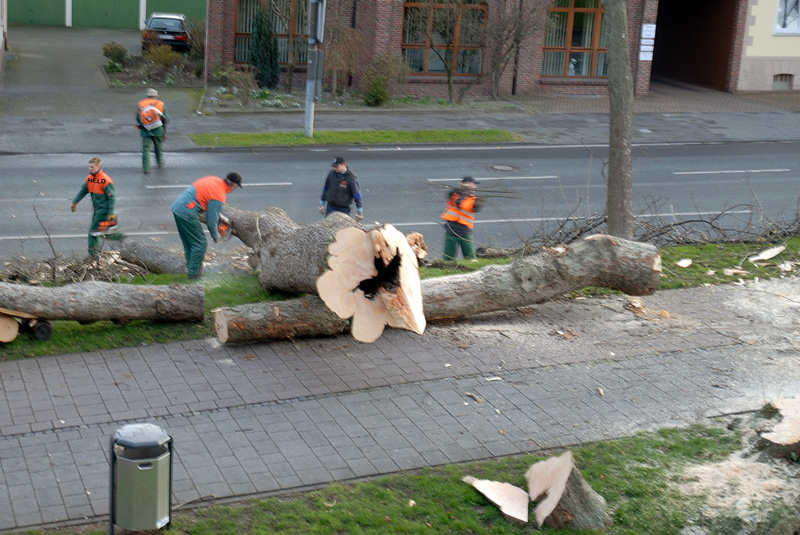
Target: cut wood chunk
512, 501
769, 253
568, 498
373, 278
787, 432
306, 316
9, 328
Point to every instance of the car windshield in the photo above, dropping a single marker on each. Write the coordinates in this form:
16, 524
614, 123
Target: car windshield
172, 25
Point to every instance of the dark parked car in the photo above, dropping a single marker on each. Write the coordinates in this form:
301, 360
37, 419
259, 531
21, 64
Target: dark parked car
166, 29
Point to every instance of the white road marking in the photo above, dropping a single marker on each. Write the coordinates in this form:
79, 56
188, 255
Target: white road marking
248, 184
493, 178
82, 235
731, 172
543, 219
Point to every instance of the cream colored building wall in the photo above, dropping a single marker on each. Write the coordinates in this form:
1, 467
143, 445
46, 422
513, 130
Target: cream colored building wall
3, 32
766, 53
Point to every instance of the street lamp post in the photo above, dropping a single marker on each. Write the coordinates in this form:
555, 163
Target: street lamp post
316, 24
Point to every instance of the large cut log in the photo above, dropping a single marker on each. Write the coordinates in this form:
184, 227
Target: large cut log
306, 316
603, 261
374, 278
155, 259
291, 257
565, 498
94, 301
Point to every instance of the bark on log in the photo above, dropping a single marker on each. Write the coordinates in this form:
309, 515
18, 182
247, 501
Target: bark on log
154, 259
306, 316
568, 501
631, 267
291, 256
94, 301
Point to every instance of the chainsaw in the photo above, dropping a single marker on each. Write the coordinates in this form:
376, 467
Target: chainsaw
107, 228
224, 230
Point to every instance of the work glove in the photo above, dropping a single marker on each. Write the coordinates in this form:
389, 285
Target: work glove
73, 207
359, 216
217, 239
112, 218
321, 209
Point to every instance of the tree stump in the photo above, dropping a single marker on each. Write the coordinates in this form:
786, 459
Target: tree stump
568, 501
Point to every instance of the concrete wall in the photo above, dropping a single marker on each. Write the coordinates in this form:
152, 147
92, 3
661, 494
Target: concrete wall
767, 53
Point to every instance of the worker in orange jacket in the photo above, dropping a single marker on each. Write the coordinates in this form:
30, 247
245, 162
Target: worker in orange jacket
99, 186
152, 119
206, 195
459, 219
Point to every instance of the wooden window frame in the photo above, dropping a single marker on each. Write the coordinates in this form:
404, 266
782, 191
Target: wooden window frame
453, 48
245, 36
568, 49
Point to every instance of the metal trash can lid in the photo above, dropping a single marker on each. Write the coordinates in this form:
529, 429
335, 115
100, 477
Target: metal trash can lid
141, 436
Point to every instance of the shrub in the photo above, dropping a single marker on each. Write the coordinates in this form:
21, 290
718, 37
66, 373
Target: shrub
377, 94
264, 51
197, 38
115, 52
393, 70
113, 66
241, 80
163, 55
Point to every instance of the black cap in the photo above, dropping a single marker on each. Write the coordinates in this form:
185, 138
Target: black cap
338, 161
235, 178
469, 179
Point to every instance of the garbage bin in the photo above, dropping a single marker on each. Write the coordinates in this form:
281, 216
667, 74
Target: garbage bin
141, 478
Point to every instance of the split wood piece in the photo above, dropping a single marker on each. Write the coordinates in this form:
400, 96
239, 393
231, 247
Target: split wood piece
94, 301
569, 501
603, 261
153, 258
787, 432
373, 278
512, 501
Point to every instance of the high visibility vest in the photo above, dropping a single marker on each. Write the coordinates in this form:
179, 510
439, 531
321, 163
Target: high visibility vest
97, 183
207, 189
150, 112
460, 209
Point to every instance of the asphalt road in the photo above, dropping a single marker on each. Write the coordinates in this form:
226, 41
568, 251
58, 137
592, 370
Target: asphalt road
404, 187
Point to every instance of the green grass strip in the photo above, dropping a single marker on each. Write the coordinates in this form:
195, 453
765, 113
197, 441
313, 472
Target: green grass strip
354, 137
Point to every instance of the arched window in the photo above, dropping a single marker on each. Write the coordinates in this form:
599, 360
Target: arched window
575, 41
436, 31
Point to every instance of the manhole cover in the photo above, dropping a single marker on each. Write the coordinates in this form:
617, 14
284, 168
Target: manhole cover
502, 168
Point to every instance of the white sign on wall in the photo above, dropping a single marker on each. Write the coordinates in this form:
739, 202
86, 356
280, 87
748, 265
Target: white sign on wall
648, 31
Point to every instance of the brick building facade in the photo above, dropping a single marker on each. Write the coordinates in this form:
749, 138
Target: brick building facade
536, 68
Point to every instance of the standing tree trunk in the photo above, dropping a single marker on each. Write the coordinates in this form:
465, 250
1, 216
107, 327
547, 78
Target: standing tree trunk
619, 205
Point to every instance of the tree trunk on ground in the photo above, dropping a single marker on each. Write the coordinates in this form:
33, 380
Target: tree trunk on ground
154, 259
291, 256
94, 301
619, 205
565, 498
630, 267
